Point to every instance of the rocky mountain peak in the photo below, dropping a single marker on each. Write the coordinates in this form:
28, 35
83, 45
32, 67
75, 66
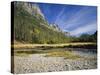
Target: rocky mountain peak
55, 26
31, 8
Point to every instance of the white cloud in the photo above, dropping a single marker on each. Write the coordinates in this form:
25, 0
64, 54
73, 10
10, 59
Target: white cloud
76, 18
84, 29
58, 18
77, 21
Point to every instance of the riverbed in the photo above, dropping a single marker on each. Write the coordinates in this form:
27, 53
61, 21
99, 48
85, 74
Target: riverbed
39, 62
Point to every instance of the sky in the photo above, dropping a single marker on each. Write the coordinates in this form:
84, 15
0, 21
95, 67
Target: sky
75, 19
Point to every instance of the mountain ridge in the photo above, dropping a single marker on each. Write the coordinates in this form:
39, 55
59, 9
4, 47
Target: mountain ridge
34, 28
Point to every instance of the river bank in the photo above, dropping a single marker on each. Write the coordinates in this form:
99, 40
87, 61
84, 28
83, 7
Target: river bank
74, 45
53, 59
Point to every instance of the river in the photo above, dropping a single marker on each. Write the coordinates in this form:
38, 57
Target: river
36, 61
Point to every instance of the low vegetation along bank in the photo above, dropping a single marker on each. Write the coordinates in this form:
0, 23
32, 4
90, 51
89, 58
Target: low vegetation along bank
78, 45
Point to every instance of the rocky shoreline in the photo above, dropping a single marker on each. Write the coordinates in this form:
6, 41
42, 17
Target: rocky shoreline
39, 63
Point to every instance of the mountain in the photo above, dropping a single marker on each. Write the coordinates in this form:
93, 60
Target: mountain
55, 26
31, 8
30, 25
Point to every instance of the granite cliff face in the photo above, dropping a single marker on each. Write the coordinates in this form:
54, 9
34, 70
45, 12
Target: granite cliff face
31, 8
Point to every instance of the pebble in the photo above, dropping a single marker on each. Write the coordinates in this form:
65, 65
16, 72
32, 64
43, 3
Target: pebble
38, 63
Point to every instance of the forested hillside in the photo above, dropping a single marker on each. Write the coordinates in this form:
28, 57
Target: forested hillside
32, 27
85, 38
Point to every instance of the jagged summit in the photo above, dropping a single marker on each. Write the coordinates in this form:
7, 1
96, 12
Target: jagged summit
55, 26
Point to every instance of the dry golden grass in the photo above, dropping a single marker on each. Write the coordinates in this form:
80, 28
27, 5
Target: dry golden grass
65, 54
50, 45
